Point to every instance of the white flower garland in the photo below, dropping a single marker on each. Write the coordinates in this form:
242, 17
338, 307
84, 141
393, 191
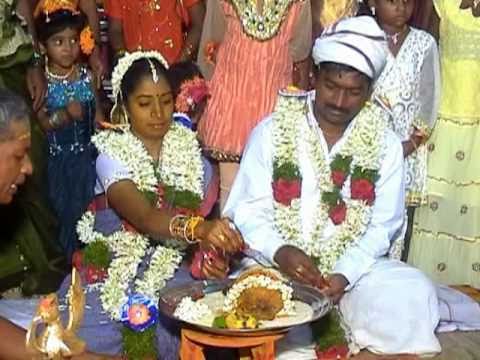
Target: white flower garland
180, 167
289, 113
363, 145
260, 281
192, 311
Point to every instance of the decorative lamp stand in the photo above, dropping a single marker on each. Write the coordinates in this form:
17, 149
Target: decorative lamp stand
261, 347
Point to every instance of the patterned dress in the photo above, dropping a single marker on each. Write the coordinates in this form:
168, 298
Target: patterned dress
71, 156
410, 84
446, 236
248, 72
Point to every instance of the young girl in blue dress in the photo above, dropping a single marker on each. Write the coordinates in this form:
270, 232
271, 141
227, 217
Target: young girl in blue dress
68, 119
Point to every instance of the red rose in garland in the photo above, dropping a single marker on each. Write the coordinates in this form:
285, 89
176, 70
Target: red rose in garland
338, 178
337, 352
284, 191
340, 167
363, 189
338, 213
95, 274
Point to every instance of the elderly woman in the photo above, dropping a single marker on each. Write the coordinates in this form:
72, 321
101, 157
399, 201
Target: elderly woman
15, 166
15, 163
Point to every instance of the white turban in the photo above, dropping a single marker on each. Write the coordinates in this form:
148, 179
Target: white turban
357, 42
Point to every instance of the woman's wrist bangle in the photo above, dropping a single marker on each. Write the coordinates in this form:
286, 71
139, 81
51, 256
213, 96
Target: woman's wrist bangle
183, 227
176, 226
189, 229
55, 120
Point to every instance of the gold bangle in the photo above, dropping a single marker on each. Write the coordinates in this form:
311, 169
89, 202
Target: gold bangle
189, 229
176, 225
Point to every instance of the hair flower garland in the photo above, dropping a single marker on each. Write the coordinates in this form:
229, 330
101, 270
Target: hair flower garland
50, 6
355, 168
192, 93
87, 41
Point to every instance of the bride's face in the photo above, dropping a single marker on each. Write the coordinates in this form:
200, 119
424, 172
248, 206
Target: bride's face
150, 108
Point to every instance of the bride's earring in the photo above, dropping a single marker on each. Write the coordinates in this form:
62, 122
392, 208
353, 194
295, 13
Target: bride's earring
372, 9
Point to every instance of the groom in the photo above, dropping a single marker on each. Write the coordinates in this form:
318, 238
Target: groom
320, 192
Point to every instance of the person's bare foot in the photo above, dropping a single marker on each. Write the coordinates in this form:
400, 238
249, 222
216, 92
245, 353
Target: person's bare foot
367, 355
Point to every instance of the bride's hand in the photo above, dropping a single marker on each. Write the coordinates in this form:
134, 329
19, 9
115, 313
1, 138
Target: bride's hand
220, 235
215, 266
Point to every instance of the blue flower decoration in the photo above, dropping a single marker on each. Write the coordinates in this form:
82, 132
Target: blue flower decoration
139, 313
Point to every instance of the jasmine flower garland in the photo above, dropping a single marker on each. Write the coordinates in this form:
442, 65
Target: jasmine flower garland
289, 114
363, 146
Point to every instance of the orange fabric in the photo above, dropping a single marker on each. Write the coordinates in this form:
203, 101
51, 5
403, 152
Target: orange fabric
244, 86
146, 28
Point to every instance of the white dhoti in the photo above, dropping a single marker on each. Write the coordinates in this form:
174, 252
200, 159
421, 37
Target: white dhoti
393, 309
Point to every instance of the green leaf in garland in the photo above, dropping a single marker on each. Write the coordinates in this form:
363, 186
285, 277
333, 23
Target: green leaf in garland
182, 199
368, 174
140, 345
341, 163
331, 198
287, 171
328, 332
151, 196
97, 254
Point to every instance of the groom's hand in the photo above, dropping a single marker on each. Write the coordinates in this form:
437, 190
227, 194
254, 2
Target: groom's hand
299, 266
336, 287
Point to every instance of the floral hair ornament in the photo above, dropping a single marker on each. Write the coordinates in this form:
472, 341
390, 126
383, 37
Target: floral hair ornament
50, 6
87, 41
192, 92
124, 63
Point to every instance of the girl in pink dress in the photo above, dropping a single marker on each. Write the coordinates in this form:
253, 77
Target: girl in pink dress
248, 51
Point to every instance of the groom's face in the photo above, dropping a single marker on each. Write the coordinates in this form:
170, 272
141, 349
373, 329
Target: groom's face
340, 94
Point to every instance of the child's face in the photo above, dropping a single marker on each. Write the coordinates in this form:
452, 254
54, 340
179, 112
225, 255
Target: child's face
395, 13
63, 48
150, 108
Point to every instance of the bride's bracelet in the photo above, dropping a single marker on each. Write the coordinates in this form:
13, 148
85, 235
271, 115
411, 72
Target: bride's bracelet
183, 227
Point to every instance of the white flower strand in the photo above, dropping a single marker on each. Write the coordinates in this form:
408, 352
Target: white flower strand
192, 311
181, 165
289, 115
126, 61
363, 145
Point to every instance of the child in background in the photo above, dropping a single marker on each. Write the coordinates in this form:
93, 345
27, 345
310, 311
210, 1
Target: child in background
68, 117
410, 84
190, 91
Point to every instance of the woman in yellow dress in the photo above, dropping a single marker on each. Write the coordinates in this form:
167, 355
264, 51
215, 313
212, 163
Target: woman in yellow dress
327, 12
446, 236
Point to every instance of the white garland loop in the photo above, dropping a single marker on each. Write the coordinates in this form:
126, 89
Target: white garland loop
363, 144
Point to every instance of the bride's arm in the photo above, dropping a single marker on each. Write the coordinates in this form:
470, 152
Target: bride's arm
128, 202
